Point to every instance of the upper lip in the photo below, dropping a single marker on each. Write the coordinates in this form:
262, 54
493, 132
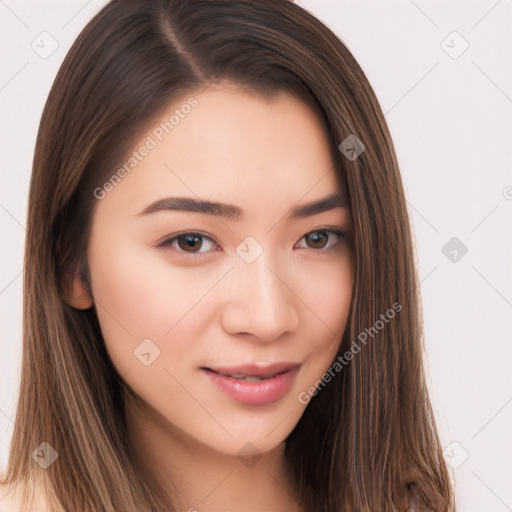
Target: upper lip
255, 370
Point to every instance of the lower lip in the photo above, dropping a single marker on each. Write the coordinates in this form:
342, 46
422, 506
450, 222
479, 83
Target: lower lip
258, 392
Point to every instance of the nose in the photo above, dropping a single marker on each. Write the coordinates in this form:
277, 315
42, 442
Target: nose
259, 301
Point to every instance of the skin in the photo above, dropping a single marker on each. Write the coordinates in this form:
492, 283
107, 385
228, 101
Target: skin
214, 309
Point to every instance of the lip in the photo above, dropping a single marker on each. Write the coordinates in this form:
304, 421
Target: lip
261, 392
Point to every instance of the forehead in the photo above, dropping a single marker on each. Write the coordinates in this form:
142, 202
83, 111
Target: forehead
231, 145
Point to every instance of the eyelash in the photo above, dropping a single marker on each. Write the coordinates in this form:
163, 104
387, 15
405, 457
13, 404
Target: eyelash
169, 240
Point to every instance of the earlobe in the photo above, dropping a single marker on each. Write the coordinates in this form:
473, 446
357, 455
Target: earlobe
75, 292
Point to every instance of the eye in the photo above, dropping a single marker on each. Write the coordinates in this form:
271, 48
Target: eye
190, 242
321, 238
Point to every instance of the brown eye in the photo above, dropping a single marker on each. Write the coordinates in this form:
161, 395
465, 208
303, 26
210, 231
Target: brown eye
317, 239
324, 239
189, 242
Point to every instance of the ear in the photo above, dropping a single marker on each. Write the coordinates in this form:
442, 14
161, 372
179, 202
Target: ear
75, 293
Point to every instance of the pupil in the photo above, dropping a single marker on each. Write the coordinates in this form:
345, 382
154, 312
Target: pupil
189, 242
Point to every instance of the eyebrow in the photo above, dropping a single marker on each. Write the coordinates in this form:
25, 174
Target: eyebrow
230, 211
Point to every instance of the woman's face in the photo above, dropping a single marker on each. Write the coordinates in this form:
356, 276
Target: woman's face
263, 281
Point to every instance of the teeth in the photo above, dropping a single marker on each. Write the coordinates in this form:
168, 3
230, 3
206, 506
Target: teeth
239, 376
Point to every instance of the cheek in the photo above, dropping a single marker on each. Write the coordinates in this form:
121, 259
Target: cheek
327, 292
152, 319
142, 298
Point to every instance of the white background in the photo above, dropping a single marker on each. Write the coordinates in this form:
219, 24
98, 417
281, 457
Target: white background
450, 119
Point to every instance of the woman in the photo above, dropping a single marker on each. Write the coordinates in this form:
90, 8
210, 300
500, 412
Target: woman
221, 307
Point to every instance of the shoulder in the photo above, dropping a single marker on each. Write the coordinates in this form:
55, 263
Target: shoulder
9, 502
421, 501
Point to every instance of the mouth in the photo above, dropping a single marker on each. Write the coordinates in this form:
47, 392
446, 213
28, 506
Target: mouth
254, 384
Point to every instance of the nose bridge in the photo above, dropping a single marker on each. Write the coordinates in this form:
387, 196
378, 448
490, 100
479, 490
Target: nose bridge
259, 302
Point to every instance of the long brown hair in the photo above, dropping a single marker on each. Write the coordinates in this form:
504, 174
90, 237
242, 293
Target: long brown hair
364, 437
